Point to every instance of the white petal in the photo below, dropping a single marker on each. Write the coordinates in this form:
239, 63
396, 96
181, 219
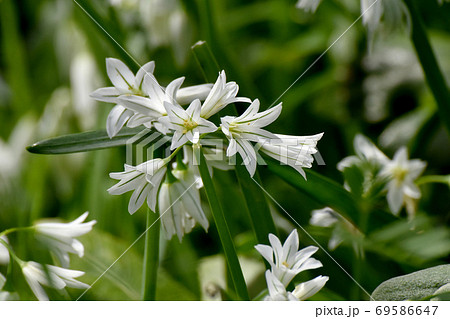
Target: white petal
395, 198
138, 198
188, 94
147, 68
141, 105
310, 288
107, 94
266, 251
117, 119
119, 74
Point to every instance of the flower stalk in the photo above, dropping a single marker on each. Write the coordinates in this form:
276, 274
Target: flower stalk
151, 256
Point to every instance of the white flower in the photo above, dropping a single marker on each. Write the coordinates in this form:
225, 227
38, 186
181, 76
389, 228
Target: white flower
295, 151
37, 276
277, 291
402, 173
180, 205
123, 80
243, 129
327, 217
187, 124
309, 288
308, 5
4, 252
288, 261
60, 237
222, 94
366, 153
144, 180
6, 295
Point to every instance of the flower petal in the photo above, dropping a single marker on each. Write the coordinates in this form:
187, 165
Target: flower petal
119, 74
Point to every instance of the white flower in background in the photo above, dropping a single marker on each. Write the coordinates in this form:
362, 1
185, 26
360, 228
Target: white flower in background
286, 260
4, 252
295, 151
327, 217
187, 124
366, 153
222, 94
247, 128
303, 291
144, 180
123, 80
402, 173
37, 276
180, 205
60, 237
308, 5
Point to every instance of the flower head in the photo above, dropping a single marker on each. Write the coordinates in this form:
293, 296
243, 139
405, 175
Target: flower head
221, 94
60, 237
402, 173
38, 275
144, 180
286, 260
295, 151
247, 128
187, 124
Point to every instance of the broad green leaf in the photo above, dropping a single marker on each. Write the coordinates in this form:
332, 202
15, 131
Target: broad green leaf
415, 286
83, 142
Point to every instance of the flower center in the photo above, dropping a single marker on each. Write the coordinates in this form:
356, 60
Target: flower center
284, 263
400, 173
189, 125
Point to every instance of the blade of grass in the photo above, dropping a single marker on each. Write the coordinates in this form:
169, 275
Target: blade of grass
82, 142
222, 228
427, 58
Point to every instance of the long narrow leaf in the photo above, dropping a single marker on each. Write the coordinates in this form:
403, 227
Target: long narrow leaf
83, 142
222, 228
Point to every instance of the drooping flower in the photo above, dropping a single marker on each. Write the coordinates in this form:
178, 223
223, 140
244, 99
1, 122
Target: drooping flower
38, 275
186, 124
286, 260
402, 173
60, 237
144, 180
4, 252
308, 5
180, 205
247, 128
295, 151
222, 94
303, 291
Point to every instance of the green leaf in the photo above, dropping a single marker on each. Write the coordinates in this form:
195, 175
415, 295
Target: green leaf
222, 228
320, 188
415, 286
355, 179
427, 58
83, 142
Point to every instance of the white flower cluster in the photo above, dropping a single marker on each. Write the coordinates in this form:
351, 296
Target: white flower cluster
286, 262
399, 174
184, 115
60, 240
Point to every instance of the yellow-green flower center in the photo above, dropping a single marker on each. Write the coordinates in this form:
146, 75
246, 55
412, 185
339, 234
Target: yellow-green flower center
189, 125
399, 174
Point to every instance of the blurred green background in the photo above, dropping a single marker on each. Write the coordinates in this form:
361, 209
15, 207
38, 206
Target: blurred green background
53, 55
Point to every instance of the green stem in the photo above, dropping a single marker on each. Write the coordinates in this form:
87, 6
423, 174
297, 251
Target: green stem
15, 229
444, 179
433, 74
222, 227
151, 256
